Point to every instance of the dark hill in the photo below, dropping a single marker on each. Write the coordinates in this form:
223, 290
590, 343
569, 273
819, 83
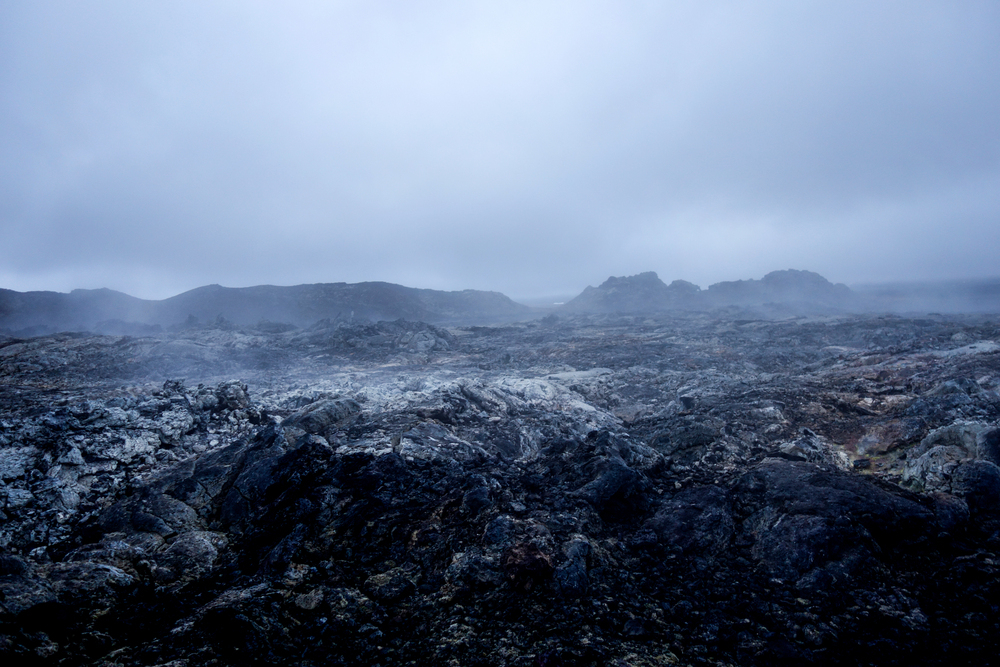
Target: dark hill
800, 290
779, 291
640, 293
306, 304
79, 309
302, 305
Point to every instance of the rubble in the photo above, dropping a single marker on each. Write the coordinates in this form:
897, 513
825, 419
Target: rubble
684, 488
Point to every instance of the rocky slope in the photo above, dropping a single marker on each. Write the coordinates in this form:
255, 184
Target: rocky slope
594, 490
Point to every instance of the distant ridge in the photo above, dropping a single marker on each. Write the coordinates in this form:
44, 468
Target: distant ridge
952, 296
779, 293
104, 310
787, 292
790, 290
800, 290
642, 292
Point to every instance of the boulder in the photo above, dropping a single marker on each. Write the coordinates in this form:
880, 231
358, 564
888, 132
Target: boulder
801, 517
323, 417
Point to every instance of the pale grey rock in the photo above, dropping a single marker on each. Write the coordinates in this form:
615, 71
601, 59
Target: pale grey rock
812, 447
174, 425
323, 418
430, 441
17, 498
932, 464
132, 446
14, 461
72, 457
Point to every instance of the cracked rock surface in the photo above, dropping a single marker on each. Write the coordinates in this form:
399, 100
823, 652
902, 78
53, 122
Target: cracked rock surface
589, 490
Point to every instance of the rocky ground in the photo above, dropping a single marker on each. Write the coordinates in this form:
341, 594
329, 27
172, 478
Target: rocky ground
592, 490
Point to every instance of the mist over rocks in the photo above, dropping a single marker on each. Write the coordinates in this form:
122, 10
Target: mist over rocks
683, 487
953, 296
770, 471
34, 313
801, 291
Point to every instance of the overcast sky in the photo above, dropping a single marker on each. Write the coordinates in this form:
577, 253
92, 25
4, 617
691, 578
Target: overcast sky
531, 148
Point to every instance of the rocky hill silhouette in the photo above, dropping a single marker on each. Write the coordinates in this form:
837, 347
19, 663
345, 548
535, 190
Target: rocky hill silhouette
302, 305
798, 291
639, 293
777, 294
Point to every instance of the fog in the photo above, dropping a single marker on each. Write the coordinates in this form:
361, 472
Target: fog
529, 148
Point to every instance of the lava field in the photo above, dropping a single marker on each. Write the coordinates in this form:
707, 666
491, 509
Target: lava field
682, 488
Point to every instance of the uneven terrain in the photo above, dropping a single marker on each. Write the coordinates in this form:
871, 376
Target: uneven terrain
578, 490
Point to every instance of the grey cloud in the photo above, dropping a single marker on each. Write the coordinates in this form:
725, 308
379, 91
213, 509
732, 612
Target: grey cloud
525, 147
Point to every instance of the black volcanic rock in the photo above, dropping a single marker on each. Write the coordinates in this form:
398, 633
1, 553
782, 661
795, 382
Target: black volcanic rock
599, 490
